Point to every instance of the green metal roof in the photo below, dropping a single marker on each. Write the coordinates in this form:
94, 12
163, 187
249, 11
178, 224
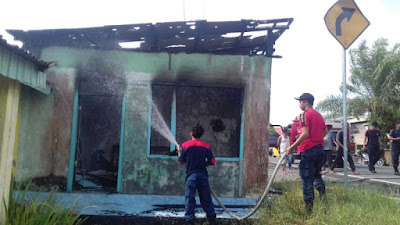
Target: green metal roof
19, 65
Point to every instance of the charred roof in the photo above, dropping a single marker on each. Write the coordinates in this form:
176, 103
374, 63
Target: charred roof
245, 37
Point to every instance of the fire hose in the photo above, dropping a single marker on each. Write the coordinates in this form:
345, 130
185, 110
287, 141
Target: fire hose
259, 202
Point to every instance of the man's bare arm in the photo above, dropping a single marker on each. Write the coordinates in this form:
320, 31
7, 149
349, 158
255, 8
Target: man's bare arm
278, 143
392, 138
365, 141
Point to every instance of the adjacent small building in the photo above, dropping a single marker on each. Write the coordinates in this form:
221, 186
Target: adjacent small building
20, 73
358, 129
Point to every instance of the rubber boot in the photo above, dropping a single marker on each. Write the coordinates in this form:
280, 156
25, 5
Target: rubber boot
309, 206
396, 171
213, 220
322, 195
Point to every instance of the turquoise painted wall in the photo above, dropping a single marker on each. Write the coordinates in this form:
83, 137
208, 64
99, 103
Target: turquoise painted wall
140, 174
147, 66
35, 149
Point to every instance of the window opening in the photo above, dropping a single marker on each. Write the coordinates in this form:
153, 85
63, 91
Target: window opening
161, 112
217, 109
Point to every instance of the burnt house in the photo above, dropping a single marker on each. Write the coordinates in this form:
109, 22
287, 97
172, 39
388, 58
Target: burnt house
118, 92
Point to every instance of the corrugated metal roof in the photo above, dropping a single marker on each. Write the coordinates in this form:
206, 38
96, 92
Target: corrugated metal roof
41, 65
18, 64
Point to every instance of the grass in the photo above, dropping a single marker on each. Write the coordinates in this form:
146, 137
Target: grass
24, 211
345, 206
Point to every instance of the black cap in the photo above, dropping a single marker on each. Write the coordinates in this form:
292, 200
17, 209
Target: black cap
306, 96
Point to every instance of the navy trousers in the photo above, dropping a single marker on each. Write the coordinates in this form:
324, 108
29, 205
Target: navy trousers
373, 155
395, 155
310, 168
199, 182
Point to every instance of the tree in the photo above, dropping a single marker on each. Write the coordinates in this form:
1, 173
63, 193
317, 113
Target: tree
374, 85
272, 130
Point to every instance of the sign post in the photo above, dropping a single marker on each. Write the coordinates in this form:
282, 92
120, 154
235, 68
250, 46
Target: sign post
346, 23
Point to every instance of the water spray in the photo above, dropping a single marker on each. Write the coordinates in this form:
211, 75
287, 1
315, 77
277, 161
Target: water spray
217, 126
159, 124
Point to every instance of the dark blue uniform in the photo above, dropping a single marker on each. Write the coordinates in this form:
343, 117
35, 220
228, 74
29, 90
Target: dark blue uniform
197, 155
373, 148
395, 148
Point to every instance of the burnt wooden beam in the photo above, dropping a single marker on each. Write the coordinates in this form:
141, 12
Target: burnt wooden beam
166, 37
197, 38
244, 24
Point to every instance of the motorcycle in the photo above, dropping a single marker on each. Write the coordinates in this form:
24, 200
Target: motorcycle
361, 157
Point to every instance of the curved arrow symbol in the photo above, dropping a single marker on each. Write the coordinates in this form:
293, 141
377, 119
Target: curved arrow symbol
346, 14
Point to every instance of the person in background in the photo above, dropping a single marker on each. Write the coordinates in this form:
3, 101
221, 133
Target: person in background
283, 143
328, 140
372, 135
340, 152
197, 155
394, 136
310, 146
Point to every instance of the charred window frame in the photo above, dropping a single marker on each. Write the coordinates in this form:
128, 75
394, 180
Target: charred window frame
223, 125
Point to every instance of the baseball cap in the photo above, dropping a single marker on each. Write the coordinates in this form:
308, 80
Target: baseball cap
306, 96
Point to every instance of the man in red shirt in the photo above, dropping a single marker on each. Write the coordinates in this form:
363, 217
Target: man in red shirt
310, 146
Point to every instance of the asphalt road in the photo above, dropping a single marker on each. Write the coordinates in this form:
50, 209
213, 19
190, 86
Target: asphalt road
383, 175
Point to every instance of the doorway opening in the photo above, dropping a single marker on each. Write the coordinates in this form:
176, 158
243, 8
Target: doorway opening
98, 135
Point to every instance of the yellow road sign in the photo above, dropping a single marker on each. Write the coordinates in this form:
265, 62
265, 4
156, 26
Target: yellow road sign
345, 22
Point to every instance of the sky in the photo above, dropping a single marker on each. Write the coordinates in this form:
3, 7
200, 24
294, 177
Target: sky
312, 58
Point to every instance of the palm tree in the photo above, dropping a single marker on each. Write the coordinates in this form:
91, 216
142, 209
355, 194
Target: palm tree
374, 84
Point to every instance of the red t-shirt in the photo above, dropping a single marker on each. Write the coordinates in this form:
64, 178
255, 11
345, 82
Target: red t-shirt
294, 130
316, 125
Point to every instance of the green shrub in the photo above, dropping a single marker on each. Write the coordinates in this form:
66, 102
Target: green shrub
344, 207
24, 211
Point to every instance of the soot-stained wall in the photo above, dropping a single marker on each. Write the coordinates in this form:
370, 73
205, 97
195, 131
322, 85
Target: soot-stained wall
45, 128
101, 87
246, 79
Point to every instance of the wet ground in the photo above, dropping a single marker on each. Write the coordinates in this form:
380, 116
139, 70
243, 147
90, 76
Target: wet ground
102, 209
142, 209
107, 220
